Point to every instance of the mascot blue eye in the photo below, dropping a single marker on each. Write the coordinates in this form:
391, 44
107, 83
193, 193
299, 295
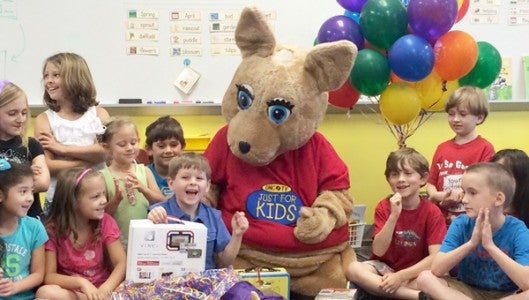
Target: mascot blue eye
244, 96
279, 110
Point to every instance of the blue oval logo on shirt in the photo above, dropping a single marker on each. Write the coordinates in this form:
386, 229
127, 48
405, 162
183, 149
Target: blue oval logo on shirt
276, 203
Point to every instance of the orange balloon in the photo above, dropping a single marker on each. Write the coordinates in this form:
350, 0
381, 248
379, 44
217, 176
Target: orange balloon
394, 78
456, 53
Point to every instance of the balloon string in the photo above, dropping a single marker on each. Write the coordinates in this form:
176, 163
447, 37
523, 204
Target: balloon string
402, 132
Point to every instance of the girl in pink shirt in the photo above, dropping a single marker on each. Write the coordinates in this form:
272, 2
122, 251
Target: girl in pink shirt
81, 234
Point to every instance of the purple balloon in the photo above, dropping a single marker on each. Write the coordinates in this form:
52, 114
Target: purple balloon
352, 5
341, 28
431, 19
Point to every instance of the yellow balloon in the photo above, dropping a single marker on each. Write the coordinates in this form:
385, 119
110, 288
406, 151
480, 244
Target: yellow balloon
430, 90
433, 91
450, 87
400, 103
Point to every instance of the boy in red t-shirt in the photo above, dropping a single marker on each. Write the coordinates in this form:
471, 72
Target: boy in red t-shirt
408, 231
467, 107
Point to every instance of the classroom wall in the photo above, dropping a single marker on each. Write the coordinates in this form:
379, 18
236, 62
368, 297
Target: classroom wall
363, 141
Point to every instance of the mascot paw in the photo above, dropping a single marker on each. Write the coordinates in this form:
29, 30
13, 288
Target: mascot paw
314, 224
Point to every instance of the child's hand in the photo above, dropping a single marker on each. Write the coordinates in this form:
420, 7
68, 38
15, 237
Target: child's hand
48, 142
396, 203
157, 215
6, 287
452, 198
118, 194
105, 293
113, 203
88, 288
391, 282
476, 237
37, 170
132, 182
239, 223
486, 233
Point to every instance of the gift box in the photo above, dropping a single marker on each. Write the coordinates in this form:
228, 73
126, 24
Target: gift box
336, 294
155, 250
271, 279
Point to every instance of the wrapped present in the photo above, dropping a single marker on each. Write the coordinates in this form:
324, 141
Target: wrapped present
272, 279
206, 285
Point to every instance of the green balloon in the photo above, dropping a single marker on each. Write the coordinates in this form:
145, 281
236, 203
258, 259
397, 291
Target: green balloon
486, 69
370, 74
383, 22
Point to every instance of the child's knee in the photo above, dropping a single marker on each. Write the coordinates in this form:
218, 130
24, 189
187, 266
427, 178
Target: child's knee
424, 278
353, 270
49, 291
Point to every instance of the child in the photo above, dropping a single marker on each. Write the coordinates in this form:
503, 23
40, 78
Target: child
131, 187
490, 249
517, 162
408, 231
189, 178
67, 130
22, 263
15, 146
165, 140
467, 107
84, 258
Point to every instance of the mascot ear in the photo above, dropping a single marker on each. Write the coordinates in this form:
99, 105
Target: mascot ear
253, 35
331, 63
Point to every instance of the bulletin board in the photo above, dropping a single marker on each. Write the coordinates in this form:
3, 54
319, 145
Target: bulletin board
98, 30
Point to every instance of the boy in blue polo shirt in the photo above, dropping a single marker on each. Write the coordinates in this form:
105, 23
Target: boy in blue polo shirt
189, 179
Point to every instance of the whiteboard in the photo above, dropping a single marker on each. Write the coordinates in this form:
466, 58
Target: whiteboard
32, 30
95, 29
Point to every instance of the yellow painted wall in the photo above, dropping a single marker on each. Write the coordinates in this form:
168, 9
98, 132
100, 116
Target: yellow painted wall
364, 141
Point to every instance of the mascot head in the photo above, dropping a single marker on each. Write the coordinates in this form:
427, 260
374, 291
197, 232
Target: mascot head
278, 95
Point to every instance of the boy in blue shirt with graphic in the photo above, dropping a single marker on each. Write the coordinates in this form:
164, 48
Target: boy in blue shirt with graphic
164, 140
190, 178
491, 249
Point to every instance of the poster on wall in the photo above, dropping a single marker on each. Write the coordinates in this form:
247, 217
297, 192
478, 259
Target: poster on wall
501, 88
525, 63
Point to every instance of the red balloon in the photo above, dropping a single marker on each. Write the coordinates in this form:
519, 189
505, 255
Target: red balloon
463, 8
345, 96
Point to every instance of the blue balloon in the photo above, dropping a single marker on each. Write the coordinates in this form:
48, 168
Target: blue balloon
341, 28
411, 57
353, 15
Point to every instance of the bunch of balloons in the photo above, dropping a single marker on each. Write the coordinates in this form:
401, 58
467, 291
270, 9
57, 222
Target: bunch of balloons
408, 55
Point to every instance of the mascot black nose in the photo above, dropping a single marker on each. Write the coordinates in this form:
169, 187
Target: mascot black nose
244, 147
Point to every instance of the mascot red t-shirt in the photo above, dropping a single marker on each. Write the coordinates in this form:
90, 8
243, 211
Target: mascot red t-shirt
272, 195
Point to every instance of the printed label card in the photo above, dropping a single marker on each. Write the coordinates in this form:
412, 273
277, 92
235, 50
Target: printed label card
186, 80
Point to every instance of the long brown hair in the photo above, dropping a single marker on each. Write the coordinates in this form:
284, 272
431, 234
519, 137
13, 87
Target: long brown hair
62, 214
77, 82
